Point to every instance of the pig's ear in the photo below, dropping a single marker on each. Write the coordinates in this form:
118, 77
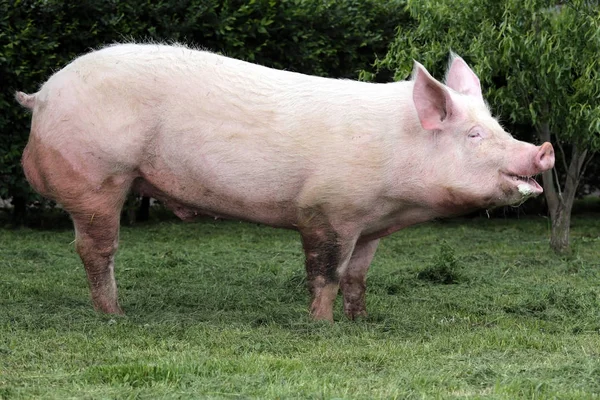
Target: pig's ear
431, 98
462, 78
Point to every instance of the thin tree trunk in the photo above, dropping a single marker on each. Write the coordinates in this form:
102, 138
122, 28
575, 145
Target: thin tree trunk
560, 202
561, 230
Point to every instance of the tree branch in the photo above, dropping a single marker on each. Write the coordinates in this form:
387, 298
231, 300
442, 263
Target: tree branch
573, 175
581, 162
557, 182
549, 178
564, 157
590, 158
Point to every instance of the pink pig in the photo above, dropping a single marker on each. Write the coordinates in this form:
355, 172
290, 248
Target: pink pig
344, 163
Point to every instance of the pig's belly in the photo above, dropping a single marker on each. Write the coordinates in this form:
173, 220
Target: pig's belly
191, 196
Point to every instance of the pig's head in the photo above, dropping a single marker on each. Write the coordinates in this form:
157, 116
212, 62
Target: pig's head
471, 161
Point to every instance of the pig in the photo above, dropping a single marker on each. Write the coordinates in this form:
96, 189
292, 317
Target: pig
342, 162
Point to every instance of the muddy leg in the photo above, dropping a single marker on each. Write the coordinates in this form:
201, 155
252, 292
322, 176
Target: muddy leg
97, 239
93, 193
354, 279
326, 255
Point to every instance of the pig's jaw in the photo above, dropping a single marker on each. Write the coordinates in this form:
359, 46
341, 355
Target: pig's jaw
510, 189
525, 185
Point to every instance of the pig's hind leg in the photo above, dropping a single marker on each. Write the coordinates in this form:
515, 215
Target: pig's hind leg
94, 199
96, 215
97, 231
353, 281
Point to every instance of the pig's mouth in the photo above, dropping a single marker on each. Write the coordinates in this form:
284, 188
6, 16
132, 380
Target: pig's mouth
525, 184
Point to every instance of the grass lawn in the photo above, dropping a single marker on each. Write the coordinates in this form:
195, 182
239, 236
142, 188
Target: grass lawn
459, 309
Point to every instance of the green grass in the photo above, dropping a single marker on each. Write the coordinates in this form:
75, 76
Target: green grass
461, 309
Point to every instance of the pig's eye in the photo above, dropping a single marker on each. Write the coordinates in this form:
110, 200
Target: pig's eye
474, 134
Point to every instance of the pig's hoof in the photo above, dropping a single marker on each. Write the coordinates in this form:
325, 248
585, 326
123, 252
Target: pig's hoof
109, 309
354, 314
319, 315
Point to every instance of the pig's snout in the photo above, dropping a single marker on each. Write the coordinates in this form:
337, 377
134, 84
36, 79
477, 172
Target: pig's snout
544, 159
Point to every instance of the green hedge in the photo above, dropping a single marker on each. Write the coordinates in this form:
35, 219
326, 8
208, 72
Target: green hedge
336, 38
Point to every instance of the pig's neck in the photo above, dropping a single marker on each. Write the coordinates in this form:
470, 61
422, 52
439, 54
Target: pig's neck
418, 202
398, 218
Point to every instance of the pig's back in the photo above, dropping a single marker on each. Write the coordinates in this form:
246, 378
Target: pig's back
172, 78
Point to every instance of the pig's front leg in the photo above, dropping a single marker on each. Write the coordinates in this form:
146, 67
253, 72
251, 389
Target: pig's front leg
327, 254
353, 281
